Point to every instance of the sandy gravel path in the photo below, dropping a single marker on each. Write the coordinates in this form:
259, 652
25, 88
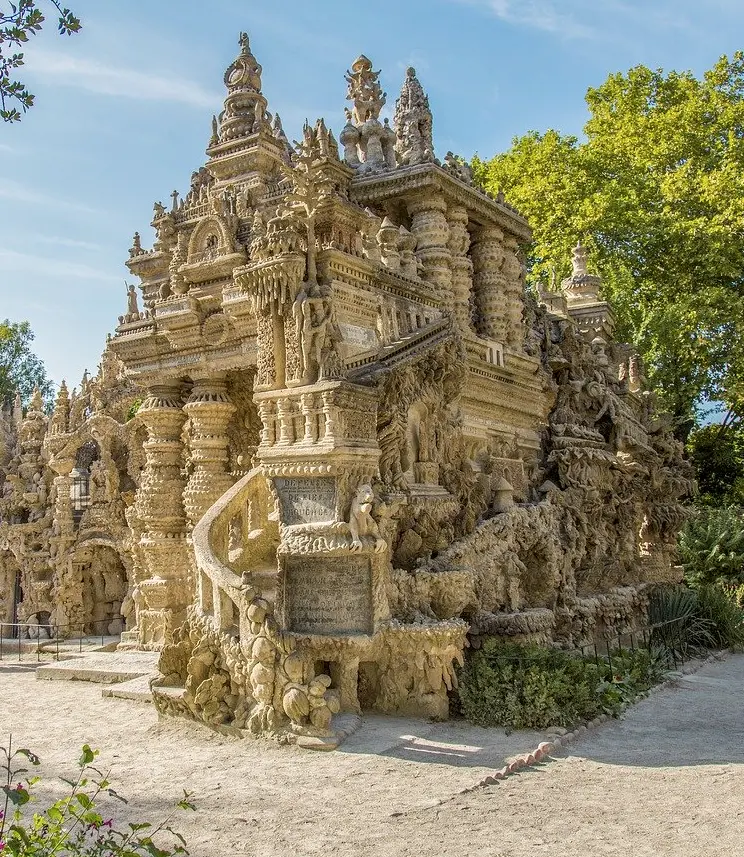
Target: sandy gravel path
667, 779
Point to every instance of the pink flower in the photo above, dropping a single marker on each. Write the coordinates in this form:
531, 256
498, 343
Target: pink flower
108, 822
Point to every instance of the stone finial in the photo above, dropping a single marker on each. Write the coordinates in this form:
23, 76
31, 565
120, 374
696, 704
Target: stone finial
61, 414
581, 286
245, 105
37, 402
136, 248
579, 259
413, 123
17, 408
364, 91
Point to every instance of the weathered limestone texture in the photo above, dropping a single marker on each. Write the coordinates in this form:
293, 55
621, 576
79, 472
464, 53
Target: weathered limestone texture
358, 438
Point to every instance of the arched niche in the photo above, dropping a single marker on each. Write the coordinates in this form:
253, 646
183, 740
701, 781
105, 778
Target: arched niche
211, 235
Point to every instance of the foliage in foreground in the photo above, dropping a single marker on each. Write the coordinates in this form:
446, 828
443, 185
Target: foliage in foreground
24, 19
530, 687
73, 825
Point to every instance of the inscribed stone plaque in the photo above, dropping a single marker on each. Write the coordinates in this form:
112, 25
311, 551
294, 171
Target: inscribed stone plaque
330, 595
306, 501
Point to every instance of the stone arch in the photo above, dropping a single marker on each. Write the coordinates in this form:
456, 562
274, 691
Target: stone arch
204, 234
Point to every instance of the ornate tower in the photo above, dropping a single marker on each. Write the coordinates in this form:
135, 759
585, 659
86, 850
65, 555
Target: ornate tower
413, 123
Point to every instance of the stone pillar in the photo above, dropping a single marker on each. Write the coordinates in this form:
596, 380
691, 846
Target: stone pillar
429, 225
165, 593
69, 599
209, 410
514, 294
488, 254
461, 266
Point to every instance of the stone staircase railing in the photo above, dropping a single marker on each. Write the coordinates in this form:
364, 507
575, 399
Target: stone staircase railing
236, 536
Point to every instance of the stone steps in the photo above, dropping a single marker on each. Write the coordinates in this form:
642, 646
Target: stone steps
102, 667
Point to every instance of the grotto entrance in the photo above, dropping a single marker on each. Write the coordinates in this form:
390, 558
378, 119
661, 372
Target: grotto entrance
104, 585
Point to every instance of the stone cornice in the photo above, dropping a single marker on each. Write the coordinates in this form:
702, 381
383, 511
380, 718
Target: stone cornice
405, 180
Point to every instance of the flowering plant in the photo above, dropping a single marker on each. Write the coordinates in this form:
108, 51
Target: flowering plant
73, 826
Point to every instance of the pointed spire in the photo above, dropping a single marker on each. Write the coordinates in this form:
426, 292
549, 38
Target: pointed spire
413, 123
245, 105
61, 416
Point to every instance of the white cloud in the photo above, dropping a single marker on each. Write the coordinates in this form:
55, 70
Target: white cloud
120, 82
26, 263
538, 14
17, 192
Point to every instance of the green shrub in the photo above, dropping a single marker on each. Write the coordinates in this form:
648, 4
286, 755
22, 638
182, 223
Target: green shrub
73, 826
529, 687
706, 617
725, 617
711, 547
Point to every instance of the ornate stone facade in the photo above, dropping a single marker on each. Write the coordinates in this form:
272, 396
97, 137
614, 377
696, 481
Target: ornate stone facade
359, 437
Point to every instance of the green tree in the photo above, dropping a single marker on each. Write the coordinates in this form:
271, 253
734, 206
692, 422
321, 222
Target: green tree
19, 21
717, 451
656, 189
20, 369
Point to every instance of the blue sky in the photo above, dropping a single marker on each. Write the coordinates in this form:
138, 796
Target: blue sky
123, 111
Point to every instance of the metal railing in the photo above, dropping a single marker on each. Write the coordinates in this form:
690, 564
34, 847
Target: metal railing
65, 635
671, 641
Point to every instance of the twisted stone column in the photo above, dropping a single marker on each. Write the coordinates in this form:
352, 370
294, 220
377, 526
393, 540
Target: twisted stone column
488, 254
429, 225
209, 410
461, 266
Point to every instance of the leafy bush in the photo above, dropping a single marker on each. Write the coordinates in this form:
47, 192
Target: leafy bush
522, 687
73, 826
724, 615
711, 547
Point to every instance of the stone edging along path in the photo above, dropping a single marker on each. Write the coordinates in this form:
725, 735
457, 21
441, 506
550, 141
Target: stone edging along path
546, 750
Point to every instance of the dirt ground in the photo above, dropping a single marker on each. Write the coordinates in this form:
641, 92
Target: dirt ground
668, 779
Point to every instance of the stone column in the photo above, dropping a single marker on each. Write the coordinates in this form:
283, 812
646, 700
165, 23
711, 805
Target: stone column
461, 265
488, 254
209, 410
165, 593
69, 600
514, 294
429, 225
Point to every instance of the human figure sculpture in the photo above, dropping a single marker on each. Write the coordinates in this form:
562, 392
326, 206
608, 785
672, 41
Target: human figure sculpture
132, 308
313, 316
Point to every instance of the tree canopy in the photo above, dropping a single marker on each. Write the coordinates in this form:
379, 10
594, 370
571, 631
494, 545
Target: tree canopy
656, 190
20, 369
18, 21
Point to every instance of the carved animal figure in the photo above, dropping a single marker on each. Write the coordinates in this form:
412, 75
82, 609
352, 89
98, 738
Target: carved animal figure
361, 522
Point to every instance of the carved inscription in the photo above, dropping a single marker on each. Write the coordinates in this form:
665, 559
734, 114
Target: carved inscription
332, 595
306, 501
356, 335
